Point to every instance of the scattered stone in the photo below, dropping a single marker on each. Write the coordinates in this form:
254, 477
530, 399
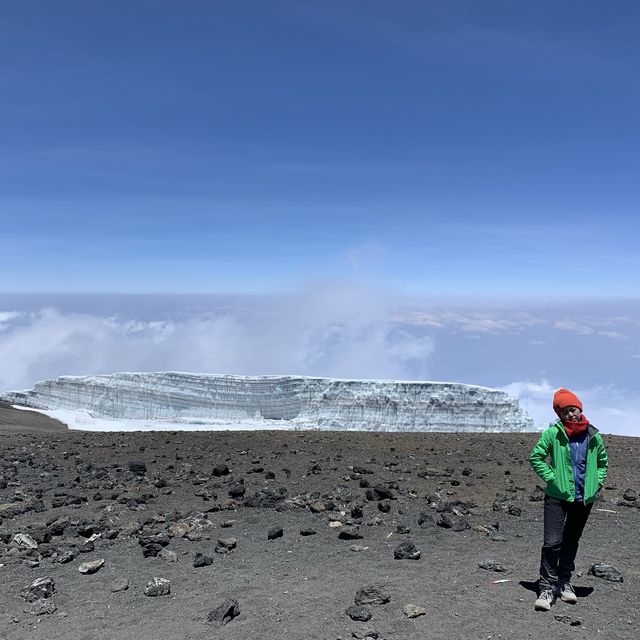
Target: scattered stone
120, 585
372, 594
606, 571
226, 545
168, 556
275, 532
24, 541
492, 565
537, 495
39, 588
350, 533
357, 548
87, 547
384, 506
413, 610
237, 490
308, 532
202, 560
364, 633
357, 511
157, 587
570, 620
221, 470
151, 550
224, 612
359, 613
180, 529
406, 551
504, 504
41, 607
138, 467
161, 539
91, 567
65, 555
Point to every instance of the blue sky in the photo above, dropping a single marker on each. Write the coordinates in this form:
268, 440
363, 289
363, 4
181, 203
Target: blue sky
247, 147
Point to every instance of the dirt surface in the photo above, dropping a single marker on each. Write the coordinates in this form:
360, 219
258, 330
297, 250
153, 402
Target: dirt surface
85, 496
23, 420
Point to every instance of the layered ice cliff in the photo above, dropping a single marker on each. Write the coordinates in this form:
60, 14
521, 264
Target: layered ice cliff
326, 403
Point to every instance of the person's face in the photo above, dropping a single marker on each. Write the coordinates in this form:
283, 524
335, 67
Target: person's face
570, 414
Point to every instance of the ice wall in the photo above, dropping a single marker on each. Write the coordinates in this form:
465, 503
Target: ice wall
327, 403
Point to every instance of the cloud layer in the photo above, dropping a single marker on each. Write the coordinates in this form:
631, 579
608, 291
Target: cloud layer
332, 331
345, 331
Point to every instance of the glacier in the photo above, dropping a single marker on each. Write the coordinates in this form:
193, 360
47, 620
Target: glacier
281, 402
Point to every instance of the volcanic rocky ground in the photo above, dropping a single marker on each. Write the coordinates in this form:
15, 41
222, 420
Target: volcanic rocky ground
292, 534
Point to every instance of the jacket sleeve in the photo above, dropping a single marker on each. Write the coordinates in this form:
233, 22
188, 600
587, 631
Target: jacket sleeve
603, 462
537, 458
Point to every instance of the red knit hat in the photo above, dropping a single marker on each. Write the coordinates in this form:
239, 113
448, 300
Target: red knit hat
564, 398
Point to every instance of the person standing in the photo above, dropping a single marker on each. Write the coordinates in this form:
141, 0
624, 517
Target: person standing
571, 458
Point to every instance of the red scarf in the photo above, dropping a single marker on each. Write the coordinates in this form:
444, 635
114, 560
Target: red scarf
575, 428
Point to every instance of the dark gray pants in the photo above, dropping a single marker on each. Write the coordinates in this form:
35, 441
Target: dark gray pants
563, 525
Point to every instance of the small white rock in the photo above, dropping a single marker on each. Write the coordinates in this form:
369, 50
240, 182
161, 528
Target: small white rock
91, 567
413, 610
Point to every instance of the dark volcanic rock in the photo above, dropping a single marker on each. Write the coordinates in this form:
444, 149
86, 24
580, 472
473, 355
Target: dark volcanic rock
220, 470
138, 467
275, 532
226, 545
384, 506
565, 619
202, 560
492, 565
606, 571
236, 490
406, 551
372, 594
151, 550
224, 612
365, 633
358, 612
506, 505
266, 498
537, 494
350, 533
357, 511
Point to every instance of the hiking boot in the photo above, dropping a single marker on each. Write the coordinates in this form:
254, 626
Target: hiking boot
567, 594
545, 600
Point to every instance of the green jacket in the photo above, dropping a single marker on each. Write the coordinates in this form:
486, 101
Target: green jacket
558, 473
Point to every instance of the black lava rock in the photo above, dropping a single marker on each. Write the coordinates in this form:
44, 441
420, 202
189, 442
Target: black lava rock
224, 612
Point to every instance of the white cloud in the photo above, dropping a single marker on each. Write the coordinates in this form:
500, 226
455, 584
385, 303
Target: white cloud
472, 322
572, 325
329, 330
609, 408
6, 317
